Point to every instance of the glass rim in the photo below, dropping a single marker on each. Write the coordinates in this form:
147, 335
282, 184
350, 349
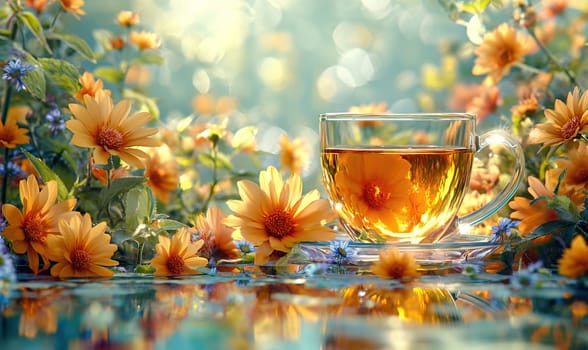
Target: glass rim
355, 116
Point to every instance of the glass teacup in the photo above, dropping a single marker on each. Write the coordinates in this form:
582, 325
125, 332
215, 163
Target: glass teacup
401, 178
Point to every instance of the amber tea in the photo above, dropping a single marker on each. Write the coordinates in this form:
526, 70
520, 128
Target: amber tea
401, 194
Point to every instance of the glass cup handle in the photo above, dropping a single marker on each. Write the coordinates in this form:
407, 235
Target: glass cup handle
500, 137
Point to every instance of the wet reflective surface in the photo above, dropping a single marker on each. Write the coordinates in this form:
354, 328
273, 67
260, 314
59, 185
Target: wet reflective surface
293, 310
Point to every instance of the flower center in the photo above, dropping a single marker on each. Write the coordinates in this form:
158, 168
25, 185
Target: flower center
32, 227
175, 264
278, 224
374, 196
396, 271
505, 57
109, 138
570, 128
80, 259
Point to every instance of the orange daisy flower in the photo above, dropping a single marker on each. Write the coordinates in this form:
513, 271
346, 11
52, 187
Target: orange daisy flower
536, 214
74, 7
127, 18
144, 40
574, 261
161, 171
90, 87
178, 255
372, 108
498, 52
274, 216
575, 182
110, 131
11, 134
82, 250
102, 175
564, 122
28, 230
293, 154
395, 265
217, 237
38, 5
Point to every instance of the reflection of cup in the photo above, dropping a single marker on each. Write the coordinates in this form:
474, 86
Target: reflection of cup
402, 177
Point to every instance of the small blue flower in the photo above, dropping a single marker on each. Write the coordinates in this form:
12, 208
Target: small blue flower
55, 119
14, 71
13, 170
245, 247
471, 271
502, 230
340, 252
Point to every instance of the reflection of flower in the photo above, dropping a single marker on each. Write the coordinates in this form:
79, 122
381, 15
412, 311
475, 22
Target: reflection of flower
395, 265
28, 230
574, 262
498, 52
374, 190
564, 122
109, 130
274, 215
178, 255
82, 250
38, 312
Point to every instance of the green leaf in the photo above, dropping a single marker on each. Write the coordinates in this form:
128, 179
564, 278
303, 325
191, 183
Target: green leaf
138, 205
62, 73
35, 82
476, 6
149, 58
29, 20
117, 187
221, 161
48, 175
170, 225
76, 43
111, 74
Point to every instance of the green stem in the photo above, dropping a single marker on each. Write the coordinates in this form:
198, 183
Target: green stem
5, 177
51, 27
554, 60
214, 155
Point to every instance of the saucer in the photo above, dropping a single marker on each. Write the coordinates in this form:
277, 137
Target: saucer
462, 249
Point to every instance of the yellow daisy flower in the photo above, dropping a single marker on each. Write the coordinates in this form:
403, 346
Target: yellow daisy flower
498, 52
217, 237
74, 7
274, 216
110, 131
178, 255
395, 265
90, 87
127, 18
144, 40
574, 261
82, 250
161, 171
11, 134
564, 122
28, 230
293, 154
533, 215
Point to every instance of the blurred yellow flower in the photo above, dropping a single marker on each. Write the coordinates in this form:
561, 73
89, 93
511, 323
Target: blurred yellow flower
371, 108
161, 171
11, 134
294, 155
144, 40
274, 216
395, 265
74, 7
127, 18
498, 52
177, 256
90, 87
28, 230
82, 250
110, 131
574, 261
564, 122
38, 5
19, 113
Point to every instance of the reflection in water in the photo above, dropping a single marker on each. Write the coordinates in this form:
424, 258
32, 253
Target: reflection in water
243, 313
